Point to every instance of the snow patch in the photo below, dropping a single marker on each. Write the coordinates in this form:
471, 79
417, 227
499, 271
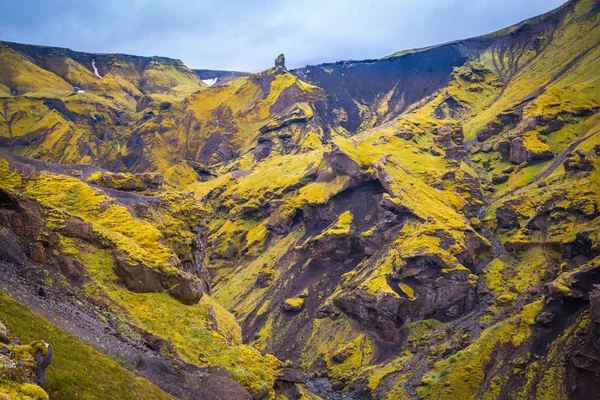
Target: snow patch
95, 69
210, 82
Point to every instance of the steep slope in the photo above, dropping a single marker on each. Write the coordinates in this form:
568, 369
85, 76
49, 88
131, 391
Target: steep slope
363, 94
120, 71
70, 376
420, 226
135, 265
333, 277
270, 111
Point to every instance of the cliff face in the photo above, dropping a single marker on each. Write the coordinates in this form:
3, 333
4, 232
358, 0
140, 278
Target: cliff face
420, 226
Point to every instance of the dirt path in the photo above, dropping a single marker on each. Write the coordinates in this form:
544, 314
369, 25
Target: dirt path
70, 315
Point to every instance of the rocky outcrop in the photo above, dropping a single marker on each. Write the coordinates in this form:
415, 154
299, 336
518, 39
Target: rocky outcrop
295, 304
24, 366
128, 182
527, 149
376, 314
21, 220
507, 216
578, 161
439, 291
295, 115
140, 278
280, 61
498, 124
286, 383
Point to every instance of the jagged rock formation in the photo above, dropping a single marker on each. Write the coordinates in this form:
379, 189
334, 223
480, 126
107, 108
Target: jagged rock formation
419, 226
23, 367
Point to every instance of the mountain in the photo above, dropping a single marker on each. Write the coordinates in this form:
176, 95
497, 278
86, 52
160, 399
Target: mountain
421, 226
220, 77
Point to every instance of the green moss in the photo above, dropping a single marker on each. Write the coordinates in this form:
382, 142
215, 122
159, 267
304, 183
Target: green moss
139, 240
69, 376
205, 328
461, 375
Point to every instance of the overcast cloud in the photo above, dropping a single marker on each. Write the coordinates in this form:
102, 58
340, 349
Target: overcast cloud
248, 35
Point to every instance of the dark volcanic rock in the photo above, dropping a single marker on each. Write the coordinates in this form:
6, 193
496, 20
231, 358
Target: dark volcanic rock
140, 278
347, 83
577, 162
499, 124
517, 153
43, 359
189, 381
280, 61
506, 216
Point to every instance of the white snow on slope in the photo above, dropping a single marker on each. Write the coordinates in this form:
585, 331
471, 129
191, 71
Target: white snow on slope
95, 69
210, 82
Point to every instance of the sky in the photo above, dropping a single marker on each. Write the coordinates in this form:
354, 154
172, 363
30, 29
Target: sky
248, 35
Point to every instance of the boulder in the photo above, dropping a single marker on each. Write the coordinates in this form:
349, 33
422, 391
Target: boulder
544, 318
293, 305
291, 375
500, 178
264, 277
527, 148
142, 279
507, 217
577, 162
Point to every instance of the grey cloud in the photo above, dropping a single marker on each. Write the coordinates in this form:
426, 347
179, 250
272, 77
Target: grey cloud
247, 35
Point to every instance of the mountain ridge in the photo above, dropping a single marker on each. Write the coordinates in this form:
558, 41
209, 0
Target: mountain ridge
421, 227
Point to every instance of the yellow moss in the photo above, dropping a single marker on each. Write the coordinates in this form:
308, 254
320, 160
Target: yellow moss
533, 144
9, 178
21, 391
295, 303
141, 241
330, 337
461, 375
180, 176
341, 227
67, 246
407, 290
26, 77
191, 329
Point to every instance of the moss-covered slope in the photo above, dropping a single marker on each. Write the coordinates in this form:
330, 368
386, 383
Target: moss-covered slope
421, 226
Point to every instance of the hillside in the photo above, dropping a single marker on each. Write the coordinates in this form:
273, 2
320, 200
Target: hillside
421, 226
